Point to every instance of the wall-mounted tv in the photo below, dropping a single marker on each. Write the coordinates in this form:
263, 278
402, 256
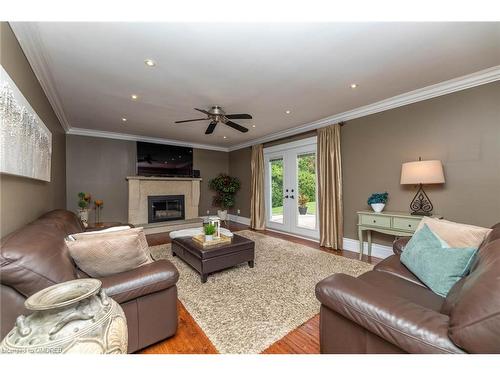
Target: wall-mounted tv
155, 159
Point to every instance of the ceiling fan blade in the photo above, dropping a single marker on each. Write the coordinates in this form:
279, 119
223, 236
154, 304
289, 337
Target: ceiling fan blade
203, 111
239, 116
236, 126
211, 127
196, 119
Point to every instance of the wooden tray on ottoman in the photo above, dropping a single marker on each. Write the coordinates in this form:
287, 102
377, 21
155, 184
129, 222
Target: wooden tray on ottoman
200, 238
206, 260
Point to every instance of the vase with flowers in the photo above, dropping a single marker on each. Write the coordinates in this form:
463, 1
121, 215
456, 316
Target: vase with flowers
83, 207
98, 203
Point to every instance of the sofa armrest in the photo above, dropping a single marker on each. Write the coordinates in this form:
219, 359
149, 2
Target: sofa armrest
411, 327
147, 279
399, 245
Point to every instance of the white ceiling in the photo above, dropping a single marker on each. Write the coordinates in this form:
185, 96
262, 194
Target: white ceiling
261, 69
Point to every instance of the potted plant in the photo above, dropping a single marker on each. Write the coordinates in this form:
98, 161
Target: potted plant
226, 187
303, 201
209, 230
377, 201
83, 204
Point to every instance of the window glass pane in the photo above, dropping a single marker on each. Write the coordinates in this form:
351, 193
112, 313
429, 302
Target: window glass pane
306, 199
276, 173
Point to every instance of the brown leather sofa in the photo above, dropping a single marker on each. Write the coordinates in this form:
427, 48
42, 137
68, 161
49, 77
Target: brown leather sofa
388, 310
35, 257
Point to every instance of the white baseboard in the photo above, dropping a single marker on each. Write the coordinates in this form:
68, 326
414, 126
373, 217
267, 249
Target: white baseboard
379, 251
239, 219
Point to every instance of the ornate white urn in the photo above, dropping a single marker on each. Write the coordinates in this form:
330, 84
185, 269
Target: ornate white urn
72, 317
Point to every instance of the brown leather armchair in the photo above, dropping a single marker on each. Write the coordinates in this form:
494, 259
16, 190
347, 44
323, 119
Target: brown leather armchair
388, 310
35, 257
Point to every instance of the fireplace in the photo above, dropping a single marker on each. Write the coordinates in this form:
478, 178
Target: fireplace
165, 208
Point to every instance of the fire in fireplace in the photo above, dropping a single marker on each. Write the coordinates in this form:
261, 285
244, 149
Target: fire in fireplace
165, 208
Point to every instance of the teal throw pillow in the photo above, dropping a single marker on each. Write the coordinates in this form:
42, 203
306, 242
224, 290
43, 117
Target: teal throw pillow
436, 266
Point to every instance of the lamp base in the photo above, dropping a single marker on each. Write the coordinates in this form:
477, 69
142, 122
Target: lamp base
421, 204
420, 213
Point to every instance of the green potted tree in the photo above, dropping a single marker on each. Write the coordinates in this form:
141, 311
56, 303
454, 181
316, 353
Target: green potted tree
225, 187
303, 201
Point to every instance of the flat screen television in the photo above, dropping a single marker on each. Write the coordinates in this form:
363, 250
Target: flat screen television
155, 159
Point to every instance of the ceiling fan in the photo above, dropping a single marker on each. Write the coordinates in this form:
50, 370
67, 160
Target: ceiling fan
216, 115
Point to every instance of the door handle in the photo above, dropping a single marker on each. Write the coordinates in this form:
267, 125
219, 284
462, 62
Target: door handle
291, 196
286, 196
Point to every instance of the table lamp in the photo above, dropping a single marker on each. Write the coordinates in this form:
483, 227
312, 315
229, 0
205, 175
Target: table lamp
419, 173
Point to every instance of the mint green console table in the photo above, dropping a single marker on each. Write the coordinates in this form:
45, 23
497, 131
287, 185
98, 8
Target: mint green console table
398, 224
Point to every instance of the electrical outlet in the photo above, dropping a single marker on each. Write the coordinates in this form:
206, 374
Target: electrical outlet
238, 211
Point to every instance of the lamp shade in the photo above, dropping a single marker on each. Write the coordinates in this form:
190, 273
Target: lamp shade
422, 172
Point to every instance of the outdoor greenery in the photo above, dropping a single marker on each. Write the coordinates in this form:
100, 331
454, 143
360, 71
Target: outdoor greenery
226, 187
306, 176
311, 209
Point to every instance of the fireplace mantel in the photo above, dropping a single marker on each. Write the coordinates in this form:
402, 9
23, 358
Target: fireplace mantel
163, 178
139, 188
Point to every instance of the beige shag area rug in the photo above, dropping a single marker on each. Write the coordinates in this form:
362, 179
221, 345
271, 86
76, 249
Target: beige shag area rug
245, 310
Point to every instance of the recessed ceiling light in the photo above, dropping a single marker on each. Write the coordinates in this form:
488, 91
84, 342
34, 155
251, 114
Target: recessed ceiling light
288, 111
124, 119
134, 97
253, 126
354, 85
149, 62
225, 137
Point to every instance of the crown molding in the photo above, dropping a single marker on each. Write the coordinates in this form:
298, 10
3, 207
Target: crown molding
447, 87
29, 39
133, 137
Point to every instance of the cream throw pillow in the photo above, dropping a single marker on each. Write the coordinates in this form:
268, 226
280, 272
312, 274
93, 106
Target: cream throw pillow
104, 254
456, 235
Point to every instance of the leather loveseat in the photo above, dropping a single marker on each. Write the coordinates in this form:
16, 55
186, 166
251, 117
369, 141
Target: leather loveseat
35, 257
388, 310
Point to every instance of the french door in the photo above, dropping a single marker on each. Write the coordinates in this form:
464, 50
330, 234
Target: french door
291, 196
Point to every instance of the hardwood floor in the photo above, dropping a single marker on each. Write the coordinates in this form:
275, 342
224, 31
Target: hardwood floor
190, 338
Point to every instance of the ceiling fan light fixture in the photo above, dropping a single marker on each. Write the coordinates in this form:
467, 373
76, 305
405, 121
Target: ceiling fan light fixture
124, 119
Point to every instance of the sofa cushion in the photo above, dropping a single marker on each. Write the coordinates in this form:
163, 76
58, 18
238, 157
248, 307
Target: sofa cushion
36, 257
397, 286
456, 235
394, 266
437, 267
103, 254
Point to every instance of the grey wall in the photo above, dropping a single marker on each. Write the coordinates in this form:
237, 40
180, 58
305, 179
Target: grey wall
240, 167
211, 164
460, 129
99, 166
22, 199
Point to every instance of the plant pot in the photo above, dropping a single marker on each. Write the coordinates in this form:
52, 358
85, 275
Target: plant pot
83, 215
302, 210
209, 237
378, 207
72, 317
222, 214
